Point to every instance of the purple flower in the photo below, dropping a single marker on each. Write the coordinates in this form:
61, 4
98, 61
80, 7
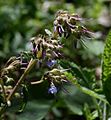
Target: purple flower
34, 51
50, 63
52, 89
60, 30
43, 54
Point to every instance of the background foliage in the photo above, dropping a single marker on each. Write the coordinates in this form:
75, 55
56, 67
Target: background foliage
22, 19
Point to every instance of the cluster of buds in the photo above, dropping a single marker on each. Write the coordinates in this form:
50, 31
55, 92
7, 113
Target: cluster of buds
68, 24
12, 65
7, 89
9, 77
55, 77
46, 49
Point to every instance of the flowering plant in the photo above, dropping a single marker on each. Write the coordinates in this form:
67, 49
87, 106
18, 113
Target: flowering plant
46, 53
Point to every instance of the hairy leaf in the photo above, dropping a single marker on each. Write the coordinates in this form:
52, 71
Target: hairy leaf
106, 68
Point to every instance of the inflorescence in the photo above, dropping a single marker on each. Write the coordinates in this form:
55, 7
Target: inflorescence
46, 50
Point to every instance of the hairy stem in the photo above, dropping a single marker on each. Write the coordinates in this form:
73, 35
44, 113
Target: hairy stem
105, 112
37, 82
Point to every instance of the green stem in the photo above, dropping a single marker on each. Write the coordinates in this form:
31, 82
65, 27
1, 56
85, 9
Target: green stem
98, 109
90, 92
104, 112
84, 77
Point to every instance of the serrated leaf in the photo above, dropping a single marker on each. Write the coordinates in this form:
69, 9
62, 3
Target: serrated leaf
106, 68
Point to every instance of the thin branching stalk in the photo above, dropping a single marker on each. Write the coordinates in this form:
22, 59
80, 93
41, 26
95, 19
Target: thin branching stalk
29, 67
37, 82
98, 109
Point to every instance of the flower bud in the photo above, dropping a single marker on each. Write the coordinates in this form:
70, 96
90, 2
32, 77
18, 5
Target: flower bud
9, 103
52, 89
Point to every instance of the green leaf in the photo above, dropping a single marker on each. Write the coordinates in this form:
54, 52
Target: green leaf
35, 110
88, 114
25, 99
95, 47
84, 76
92, 93
76, 99
77, 72
106, 68
88, 91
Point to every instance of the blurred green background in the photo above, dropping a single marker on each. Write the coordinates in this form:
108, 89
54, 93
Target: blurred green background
22, 19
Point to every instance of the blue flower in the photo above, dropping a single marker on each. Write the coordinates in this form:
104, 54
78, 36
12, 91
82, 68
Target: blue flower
52, 89
50, 63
